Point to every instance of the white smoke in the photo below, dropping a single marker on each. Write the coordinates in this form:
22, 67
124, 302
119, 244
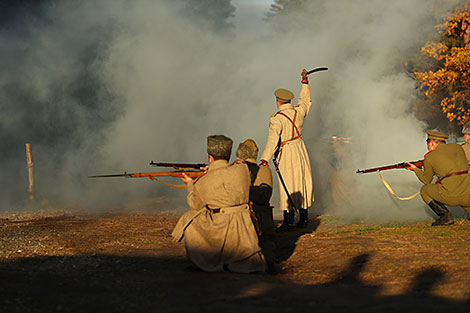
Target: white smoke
179, 81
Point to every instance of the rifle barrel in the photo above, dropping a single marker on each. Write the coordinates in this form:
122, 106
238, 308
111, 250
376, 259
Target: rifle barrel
179, 165
111, 175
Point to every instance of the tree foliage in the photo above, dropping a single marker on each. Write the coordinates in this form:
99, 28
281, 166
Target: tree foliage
450, 82
281, 11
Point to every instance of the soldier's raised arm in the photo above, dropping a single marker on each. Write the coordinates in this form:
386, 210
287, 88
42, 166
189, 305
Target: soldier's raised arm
304, 101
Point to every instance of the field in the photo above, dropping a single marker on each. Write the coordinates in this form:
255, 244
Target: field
57, 261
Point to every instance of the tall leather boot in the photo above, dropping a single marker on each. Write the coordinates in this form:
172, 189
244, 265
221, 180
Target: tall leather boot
288, 221
445, 217
303, 218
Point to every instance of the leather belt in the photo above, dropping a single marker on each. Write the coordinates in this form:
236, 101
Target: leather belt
213, 211
283, 143
439, 180
231, 209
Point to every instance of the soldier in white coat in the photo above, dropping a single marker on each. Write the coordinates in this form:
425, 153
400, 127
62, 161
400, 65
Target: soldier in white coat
218, 233
285, 131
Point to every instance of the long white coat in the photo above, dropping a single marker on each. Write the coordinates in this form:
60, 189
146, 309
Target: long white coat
226, 239
294, 163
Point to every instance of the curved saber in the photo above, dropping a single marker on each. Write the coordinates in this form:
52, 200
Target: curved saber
318, 69
289, 197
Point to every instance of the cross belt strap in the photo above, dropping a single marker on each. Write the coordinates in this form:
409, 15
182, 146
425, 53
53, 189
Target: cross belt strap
294, 129
439, 180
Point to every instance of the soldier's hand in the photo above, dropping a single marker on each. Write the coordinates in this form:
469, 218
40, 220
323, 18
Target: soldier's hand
186, 179
263, 163
205, 168
410, 167
304, 77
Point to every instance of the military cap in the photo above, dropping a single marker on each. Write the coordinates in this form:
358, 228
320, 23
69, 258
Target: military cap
219, 146
432, 134
247, 150
283, 95
466, 129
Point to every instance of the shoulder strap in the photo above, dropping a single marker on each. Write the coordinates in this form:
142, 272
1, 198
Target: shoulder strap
293, 123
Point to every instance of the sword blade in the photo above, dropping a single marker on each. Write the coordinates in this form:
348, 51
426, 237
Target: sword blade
318, 69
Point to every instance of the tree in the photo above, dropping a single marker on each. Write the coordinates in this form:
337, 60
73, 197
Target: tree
282, 11
449, 82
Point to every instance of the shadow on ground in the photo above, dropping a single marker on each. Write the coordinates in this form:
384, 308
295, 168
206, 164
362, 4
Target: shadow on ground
286, 242
103, 283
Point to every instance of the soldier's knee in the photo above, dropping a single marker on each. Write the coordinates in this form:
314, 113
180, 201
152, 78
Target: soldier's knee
425, 194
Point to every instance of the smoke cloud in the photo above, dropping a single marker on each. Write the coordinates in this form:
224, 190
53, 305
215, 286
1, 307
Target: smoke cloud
103, 87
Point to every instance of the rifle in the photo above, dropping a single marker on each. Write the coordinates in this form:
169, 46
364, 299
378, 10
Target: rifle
179, 165
151, 175
418, 163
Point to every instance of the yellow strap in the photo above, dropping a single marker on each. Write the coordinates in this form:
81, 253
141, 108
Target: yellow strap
168, 184
393, 193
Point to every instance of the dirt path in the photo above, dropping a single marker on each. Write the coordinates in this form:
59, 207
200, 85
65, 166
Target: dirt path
128, 263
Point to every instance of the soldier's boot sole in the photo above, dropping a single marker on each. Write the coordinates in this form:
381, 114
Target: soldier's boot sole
284, 227
444, 220
445, 217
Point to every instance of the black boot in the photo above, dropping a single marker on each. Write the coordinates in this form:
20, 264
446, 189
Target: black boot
288, 221
445, 217
303, 218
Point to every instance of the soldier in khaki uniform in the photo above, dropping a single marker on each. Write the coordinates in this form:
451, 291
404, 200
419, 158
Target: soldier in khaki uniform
260, 193
218, 233
447, 161
285, 130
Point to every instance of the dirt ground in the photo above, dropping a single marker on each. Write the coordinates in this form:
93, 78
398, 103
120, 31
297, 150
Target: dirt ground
126, 262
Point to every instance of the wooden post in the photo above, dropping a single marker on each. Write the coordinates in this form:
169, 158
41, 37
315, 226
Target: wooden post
29, 161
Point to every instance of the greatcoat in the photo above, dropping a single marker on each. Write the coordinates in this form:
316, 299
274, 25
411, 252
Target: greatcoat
260, 194
445, 159
293, 159
218, 233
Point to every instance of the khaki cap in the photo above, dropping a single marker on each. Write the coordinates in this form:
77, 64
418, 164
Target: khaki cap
466, 129
219, 146
432, 134
284, 95
247, 150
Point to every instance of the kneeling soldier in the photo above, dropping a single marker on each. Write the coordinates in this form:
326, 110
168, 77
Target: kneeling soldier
260, 193
447, 161
218, 233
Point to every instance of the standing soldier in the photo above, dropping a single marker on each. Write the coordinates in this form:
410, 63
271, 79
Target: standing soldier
285, 130
447, 161
260, 193
218, 233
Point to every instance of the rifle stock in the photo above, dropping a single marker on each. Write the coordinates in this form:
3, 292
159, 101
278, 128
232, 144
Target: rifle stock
418, 163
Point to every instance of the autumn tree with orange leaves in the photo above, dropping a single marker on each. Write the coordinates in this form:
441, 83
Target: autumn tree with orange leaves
450, 82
